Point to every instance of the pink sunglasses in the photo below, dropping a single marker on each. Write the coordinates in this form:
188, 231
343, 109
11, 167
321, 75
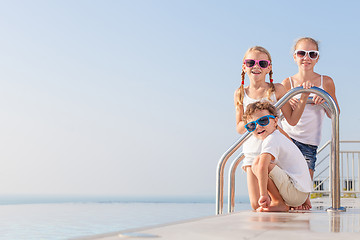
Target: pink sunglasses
261, 63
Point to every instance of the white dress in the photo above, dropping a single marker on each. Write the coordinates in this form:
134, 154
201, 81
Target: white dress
308, 129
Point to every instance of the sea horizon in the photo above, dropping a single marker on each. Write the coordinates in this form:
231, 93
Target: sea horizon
13, 199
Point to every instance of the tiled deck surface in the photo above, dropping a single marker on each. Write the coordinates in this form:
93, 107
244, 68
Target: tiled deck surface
314, 224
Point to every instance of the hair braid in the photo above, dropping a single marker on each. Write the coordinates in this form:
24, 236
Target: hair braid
271, 86
241, 91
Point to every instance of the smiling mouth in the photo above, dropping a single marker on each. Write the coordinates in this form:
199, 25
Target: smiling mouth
261, 132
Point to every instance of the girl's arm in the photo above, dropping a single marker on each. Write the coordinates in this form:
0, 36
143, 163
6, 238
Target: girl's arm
329, 87
293, 101
239, 114
292, 116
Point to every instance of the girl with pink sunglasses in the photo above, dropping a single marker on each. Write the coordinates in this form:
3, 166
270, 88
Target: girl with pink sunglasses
307, 133
257, 64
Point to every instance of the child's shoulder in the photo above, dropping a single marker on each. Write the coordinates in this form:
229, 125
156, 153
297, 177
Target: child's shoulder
279, 137
328, 82
280, 90
278, 85
327, 79
274, 135
286, 81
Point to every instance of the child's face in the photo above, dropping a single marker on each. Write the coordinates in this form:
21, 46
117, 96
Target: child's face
256, 72
306, 62
262, 132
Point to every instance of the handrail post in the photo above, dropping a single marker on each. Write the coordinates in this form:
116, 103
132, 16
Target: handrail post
220, 172
335, 163
231, 183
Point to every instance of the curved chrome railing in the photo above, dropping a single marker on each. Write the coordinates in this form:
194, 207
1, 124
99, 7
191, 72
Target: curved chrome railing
330, 107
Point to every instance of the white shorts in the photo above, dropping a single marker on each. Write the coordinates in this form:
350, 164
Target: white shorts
291, 195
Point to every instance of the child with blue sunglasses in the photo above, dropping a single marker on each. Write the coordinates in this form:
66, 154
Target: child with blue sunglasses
281, 171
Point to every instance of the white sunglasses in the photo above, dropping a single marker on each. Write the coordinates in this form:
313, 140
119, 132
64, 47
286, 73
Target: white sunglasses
302, 53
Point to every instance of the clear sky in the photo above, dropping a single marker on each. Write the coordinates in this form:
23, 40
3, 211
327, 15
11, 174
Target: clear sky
136, 97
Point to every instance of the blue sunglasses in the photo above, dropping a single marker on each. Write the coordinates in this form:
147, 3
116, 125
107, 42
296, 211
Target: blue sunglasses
263, 121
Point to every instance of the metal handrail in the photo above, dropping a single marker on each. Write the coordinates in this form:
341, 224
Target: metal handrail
220, 171
342, 141
331, 107
231, 182
323, 147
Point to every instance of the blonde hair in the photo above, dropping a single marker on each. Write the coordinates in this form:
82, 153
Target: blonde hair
258, 106
241, 91
297, 41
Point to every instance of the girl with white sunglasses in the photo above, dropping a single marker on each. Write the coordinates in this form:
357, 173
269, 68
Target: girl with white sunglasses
307, 133
257, 64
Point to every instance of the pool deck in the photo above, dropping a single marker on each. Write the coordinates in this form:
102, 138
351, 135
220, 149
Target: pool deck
250, 225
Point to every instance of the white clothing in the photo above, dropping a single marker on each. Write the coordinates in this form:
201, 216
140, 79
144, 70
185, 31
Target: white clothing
308, 129
289, 158
252, 146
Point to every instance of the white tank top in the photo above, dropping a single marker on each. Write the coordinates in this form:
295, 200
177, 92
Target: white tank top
308, 129
252, 146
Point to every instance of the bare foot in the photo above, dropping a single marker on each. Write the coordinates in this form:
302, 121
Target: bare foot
259, 209
297, 208
274, 207
307, 204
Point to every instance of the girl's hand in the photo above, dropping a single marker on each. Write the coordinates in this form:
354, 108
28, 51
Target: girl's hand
307, 85
293, 103
264, 201
318, 100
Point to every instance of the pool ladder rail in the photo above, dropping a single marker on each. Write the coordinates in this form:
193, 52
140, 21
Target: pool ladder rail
334, 176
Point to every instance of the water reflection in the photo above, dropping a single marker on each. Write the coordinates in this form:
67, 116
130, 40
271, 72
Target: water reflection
270, 221
312, 221
344, 221
334, 219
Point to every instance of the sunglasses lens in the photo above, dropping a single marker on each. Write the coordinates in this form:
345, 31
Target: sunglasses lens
263, 121
313, 54
249, 63
250, 126
300, 54
263, 64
